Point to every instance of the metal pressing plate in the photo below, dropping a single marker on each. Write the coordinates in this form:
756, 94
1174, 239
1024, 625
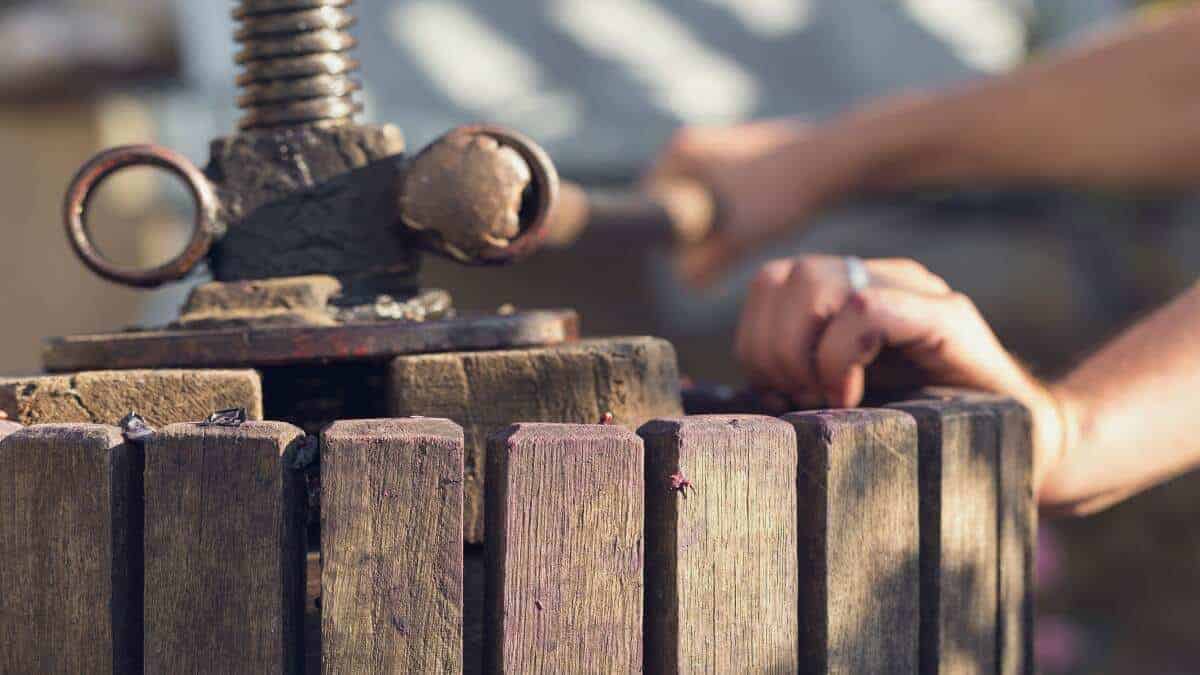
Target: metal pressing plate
286, 345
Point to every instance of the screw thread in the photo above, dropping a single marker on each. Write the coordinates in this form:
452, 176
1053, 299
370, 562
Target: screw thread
295, 66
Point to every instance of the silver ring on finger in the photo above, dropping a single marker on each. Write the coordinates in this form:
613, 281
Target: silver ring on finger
857, 274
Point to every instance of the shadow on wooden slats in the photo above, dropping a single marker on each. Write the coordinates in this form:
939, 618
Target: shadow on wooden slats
960, 518
859, 541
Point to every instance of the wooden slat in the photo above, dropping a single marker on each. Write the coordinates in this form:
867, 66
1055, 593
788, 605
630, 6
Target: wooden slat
565, 512
1018, 538
1018, 528
70, 551
224, 550
392, 543
959, 477
859, 541
721, 560
636, 379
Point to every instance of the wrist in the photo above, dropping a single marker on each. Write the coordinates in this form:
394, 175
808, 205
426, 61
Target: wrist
1057, 429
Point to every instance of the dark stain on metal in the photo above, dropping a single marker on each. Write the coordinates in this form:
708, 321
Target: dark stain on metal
135, 429
232, 417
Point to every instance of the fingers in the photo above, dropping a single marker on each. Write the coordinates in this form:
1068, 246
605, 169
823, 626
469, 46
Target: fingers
804, 333
906, 273
788, 304
751, 343
786, 313
815, 289
915, 321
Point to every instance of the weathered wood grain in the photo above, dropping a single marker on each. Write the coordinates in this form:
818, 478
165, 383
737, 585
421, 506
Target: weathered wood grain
959, 479
636, 379
162, 397
565, 550
70, 551
859, 541
1018, 527
224, 550
721, 559
391, 540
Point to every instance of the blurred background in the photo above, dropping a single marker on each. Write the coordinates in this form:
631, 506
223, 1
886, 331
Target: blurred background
602, 84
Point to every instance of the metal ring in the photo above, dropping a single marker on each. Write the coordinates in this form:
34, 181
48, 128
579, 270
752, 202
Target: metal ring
857, 274
544, 188
103, 165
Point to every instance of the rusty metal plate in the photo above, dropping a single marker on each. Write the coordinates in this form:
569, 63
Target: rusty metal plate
286, 345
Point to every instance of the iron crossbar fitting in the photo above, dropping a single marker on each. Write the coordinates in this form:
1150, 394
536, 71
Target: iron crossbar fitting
304, 189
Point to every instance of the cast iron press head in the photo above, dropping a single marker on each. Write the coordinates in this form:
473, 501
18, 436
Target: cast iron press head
314, 225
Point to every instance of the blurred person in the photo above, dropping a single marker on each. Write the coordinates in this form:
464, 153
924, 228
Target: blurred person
1123, 421
602, 85
1117, 111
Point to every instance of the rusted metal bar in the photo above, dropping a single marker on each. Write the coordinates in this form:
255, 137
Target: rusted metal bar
274, 345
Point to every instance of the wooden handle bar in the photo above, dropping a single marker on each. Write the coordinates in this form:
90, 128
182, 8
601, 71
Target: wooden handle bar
679, 211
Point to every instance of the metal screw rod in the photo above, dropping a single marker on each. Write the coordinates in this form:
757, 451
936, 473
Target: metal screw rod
295, 67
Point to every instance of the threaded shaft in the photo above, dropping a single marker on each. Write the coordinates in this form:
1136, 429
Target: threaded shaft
295, 67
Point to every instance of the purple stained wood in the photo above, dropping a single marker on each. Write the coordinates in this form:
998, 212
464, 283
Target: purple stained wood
564, 537
721, 545
224, 549
392, 546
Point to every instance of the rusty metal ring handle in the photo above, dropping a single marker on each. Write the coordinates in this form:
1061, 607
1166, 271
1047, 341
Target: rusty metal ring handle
544, 189
103, 165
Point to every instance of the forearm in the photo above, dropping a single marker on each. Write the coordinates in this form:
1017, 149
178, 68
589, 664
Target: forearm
1132, 413
1120, 110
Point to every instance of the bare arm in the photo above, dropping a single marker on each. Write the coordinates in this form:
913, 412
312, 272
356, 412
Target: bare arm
1117, 110
1126, 419
1120, 109
1133, 412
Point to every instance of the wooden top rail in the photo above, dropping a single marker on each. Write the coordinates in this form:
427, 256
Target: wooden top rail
892, 540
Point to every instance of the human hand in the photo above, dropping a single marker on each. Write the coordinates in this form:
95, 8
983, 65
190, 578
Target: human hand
807, 333
767, 177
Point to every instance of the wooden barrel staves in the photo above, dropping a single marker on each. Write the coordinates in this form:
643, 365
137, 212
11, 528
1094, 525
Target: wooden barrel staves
892, 540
